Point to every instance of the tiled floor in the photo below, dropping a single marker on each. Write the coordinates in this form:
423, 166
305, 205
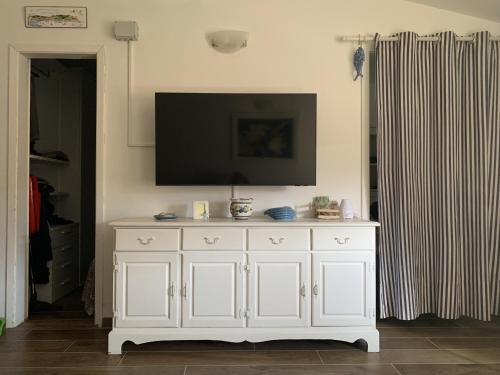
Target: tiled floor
67, 343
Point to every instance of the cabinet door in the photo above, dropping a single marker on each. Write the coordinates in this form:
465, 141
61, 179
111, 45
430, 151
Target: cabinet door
146, 289
278, 290
343, 289
212, 289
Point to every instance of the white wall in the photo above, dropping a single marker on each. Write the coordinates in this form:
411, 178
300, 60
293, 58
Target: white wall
292, 47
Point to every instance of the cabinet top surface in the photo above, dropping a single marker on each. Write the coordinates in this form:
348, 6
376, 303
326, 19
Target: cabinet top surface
252, 222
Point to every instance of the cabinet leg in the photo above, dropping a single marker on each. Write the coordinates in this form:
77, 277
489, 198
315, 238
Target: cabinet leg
114, 344
373, 342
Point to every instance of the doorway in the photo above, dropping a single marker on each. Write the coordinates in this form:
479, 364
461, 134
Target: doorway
19, 164
62, 186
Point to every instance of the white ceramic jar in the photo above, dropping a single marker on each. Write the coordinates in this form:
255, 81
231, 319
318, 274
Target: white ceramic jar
241, 208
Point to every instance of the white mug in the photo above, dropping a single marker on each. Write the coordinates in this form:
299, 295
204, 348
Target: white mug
346, 209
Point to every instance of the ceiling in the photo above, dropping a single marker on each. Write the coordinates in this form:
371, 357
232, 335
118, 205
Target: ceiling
487, 9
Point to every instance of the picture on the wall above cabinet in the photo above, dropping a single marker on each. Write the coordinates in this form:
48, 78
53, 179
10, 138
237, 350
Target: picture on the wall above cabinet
55, 17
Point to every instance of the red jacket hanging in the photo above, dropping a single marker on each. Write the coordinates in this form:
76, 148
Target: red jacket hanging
35, 200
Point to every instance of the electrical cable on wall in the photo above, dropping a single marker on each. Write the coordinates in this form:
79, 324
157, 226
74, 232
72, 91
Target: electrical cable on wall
128, 31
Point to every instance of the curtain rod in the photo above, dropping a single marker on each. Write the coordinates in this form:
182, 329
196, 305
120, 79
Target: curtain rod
370, 38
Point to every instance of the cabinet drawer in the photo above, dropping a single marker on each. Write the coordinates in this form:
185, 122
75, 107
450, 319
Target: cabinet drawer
63, 287
343, 238
64, 252
147, 239
279, 239
213, 239
64, 270
63, 235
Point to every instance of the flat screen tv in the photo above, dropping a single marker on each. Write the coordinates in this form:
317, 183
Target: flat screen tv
235, 139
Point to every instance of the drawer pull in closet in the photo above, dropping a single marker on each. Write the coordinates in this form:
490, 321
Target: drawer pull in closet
275, 241
145, 241
65, 248
303, 290
212, 241
65, 282
342, 241
315, 288
66, 264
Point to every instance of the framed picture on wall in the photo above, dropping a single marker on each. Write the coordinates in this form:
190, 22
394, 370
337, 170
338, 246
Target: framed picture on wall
55, 17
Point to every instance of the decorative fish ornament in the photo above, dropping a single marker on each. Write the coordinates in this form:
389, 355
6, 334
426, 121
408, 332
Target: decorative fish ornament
359, 59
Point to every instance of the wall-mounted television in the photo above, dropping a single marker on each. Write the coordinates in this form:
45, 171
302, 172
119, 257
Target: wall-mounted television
235, 139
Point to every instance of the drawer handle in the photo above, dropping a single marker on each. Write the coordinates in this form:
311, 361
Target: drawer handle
66, 264
275, 241
145, 241
303, 290
212, 241
342, 241
65, 282
63, 249
315, 288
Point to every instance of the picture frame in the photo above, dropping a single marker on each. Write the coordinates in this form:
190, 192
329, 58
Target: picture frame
64, 17
201, 210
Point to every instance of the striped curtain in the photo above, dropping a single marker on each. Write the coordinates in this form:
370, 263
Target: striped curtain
439, 176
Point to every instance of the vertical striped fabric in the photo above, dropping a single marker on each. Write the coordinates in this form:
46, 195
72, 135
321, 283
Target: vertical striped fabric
439, 176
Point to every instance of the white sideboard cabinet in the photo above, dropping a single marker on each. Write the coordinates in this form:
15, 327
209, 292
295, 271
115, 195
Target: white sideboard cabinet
254, 280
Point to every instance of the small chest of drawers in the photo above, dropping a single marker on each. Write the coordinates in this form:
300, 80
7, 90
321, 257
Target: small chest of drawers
64, 267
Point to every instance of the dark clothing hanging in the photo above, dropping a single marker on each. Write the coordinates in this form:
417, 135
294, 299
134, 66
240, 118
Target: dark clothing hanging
41, 246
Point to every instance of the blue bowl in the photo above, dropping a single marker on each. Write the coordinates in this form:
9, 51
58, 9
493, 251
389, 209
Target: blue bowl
281, 213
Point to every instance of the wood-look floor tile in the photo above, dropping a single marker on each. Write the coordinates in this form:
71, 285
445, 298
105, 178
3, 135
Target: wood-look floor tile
306, 345
277, 357
150, 370
186, 346
59, 324
479, 355
392, 356
448, 369
292, 370
466, 342
14, 333
67, 334
34, 346
474, 323
406, 343
59, 315
438, 332
57, 359
421, 322
88, 346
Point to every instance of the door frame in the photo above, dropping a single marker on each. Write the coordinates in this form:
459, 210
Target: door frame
20, 56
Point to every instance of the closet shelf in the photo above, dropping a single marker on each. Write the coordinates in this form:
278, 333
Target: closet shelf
59, 194
43, 160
